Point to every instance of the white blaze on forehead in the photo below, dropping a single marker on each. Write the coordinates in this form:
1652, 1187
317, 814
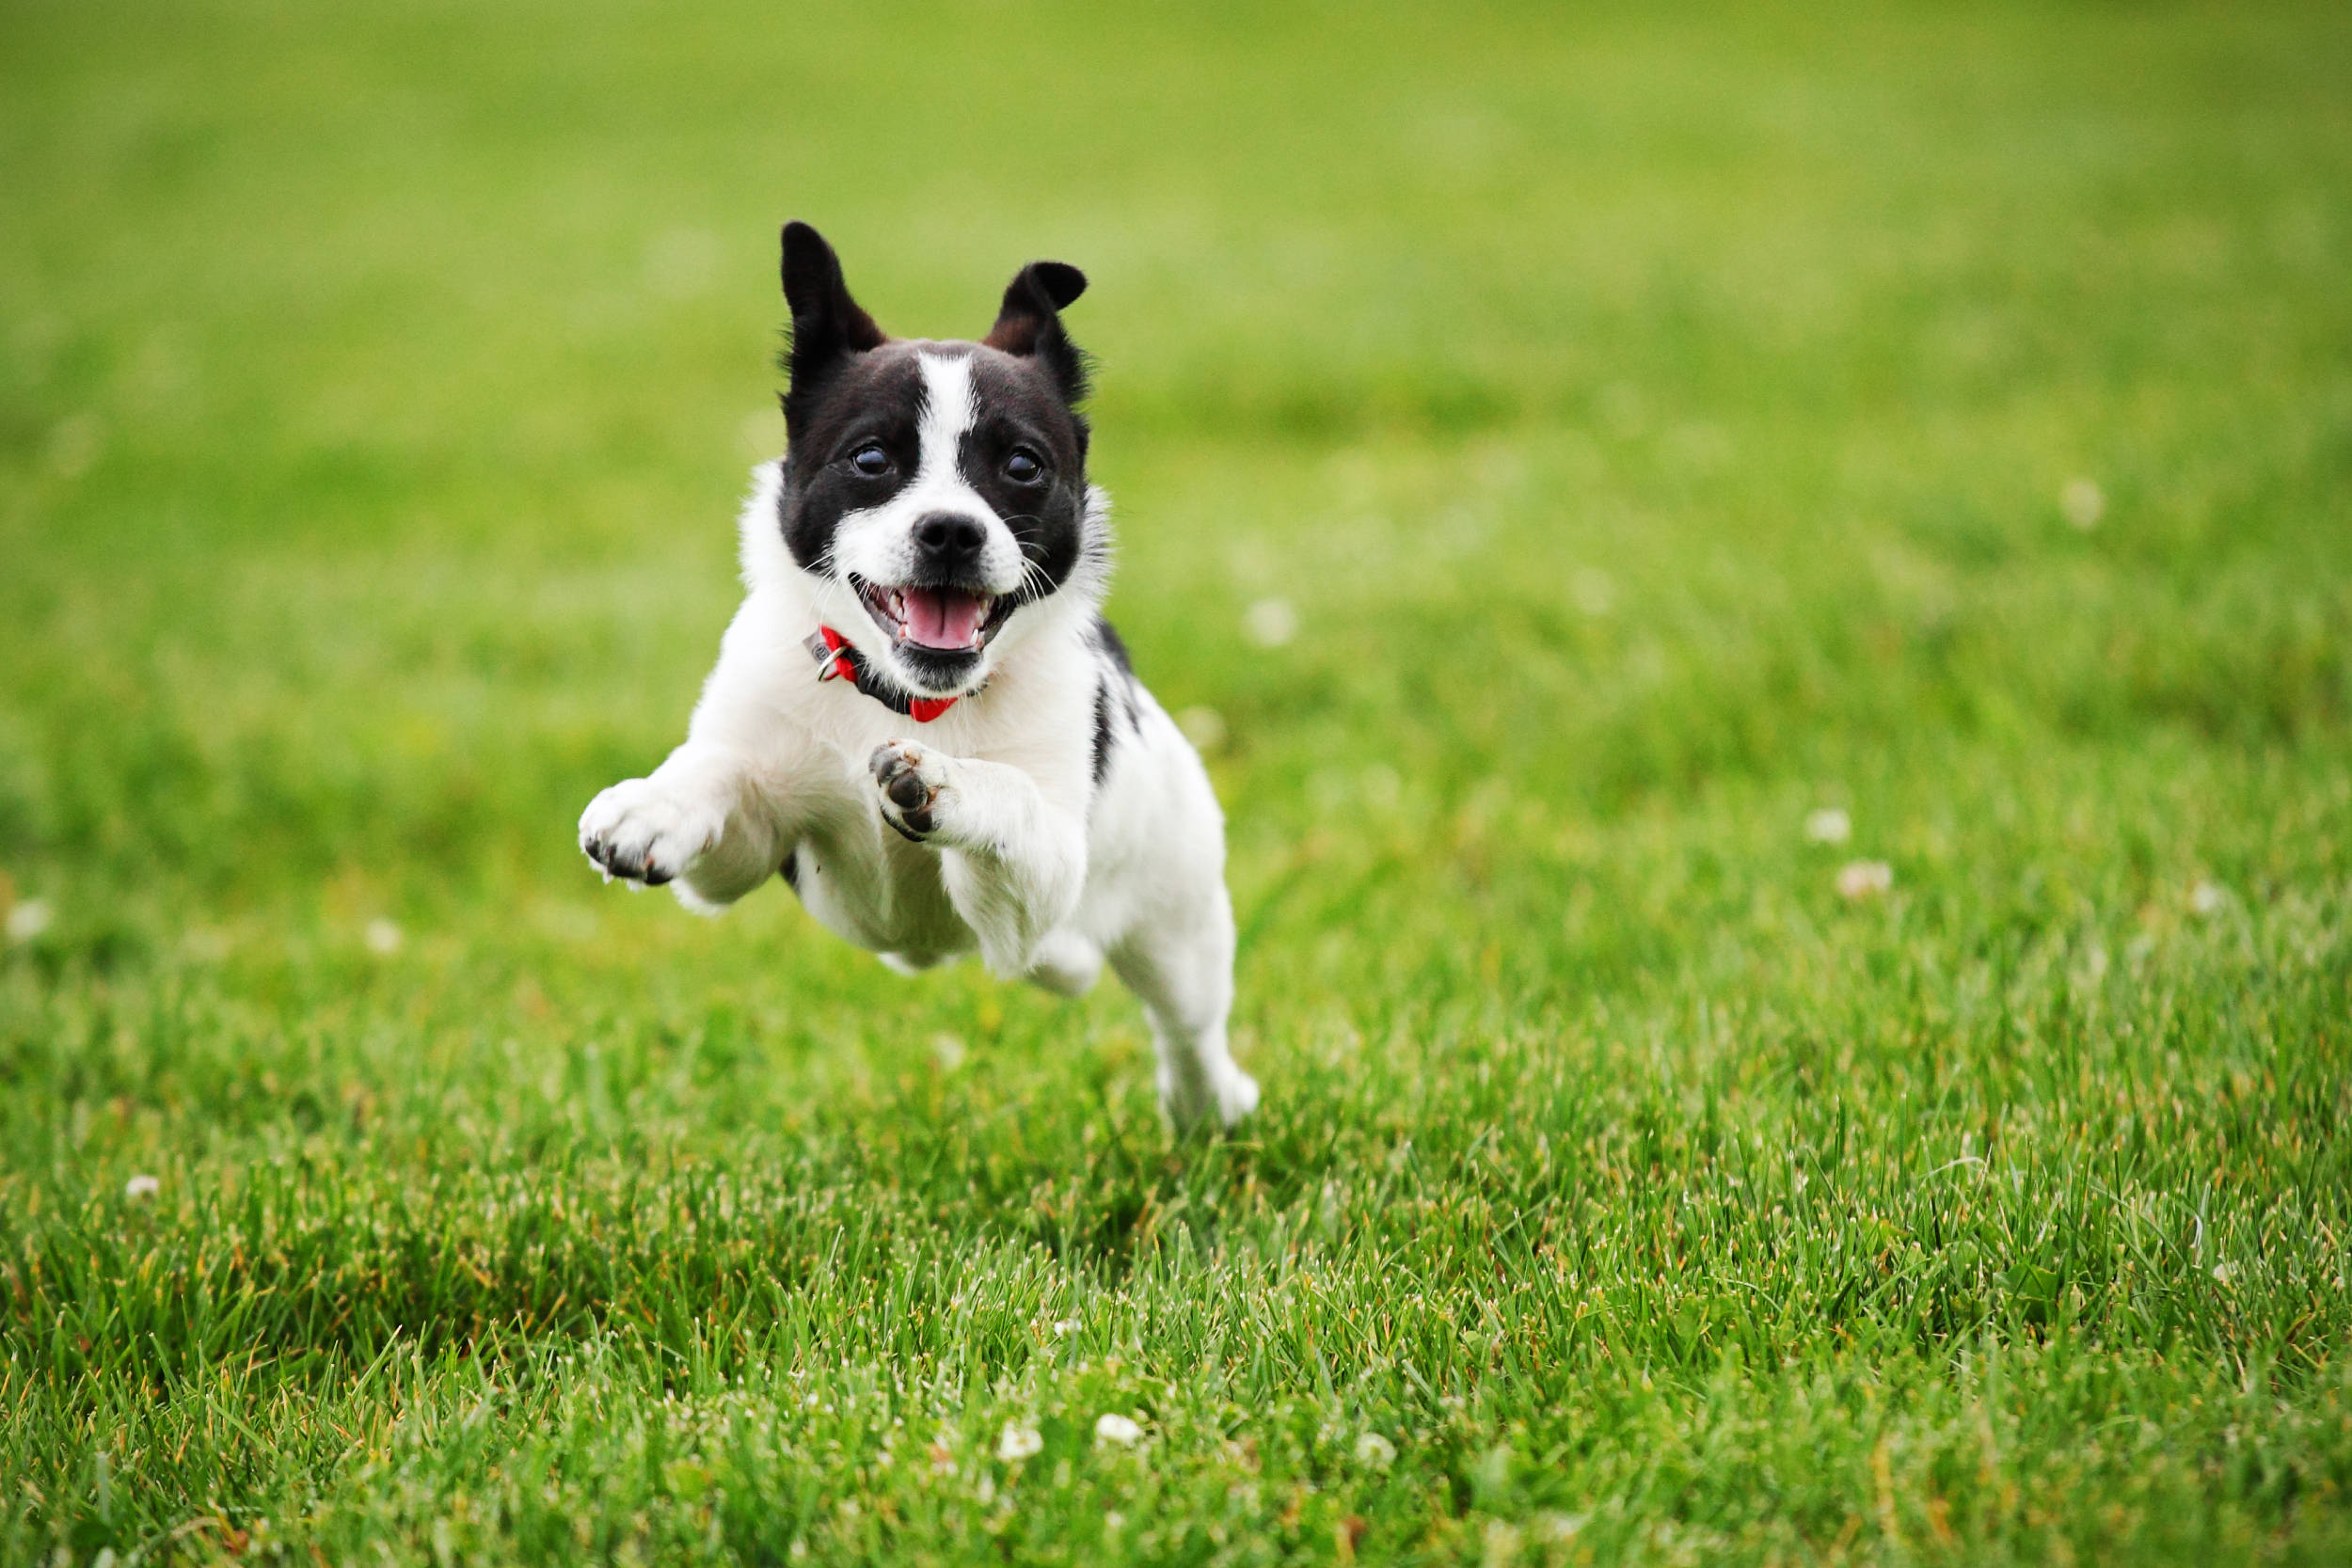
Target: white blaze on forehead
949, 411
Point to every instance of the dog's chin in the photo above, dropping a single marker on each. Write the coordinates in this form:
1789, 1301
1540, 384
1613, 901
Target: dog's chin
929, 672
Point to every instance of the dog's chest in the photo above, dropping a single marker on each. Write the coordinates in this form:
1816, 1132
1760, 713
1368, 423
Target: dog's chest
852, 872
870, 887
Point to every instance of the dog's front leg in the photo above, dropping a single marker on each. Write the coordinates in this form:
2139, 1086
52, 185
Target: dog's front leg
701, 819
1015, 863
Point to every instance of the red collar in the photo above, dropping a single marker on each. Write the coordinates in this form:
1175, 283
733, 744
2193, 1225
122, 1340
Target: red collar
838, 659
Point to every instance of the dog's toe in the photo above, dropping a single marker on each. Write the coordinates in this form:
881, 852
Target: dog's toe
907, 777
637, 831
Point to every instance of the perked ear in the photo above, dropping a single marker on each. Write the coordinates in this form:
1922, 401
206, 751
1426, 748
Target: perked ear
1030, 322
826, 322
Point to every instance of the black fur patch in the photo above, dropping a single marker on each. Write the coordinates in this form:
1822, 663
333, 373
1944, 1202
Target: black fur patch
875, 396
1028, 325
828, 327
1114, 648
1102, 736
1018, 406
1107, 640
1114, 695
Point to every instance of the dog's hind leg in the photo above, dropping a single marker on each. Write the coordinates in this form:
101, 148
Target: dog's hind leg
1066, 963
1184, 976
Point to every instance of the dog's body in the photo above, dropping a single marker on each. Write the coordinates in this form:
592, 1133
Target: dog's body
919, 716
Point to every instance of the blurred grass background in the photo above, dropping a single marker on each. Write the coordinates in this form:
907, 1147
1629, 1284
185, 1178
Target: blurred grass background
1661, 422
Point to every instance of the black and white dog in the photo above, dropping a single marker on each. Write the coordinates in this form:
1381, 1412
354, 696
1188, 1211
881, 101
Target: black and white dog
928, 561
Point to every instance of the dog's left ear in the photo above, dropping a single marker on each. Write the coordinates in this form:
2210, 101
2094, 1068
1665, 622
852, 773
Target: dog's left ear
828, 326
1030, 322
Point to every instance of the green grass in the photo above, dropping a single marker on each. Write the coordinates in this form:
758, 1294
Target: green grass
1658, 420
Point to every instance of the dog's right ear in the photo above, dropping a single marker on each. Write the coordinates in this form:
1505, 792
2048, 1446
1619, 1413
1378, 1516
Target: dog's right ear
1030, 325
827, 325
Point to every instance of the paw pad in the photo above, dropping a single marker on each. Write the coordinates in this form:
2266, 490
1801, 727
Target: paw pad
907, 795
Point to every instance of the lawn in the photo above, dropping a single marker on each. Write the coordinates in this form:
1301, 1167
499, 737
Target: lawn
1702, 457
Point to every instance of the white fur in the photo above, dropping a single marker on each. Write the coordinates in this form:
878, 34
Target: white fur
1026, 861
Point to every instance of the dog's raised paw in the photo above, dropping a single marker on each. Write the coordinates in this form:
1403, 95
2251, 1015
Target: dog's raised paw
639, 830
910, 779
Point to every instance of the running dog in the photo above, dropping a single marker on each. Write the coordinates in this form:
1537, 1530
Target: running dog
919, 716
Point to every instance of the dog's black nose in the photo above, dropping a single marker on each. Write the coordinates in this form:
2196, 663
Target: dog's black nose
949, 538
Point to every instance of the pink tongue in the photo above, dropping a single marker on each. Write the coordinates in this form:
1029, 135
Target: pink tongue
942, 618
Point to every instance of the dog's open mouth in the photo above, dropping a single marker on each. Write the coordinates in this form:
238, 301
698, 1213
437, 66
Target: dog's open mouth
937, 620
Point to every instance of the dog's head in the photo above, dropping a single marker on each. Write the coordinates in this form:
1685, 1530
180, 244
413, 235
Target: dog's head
934, 492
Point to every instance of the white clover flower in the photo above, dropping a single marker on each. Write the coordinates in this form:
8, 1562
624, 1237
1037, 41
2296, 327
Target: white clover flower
1112, 1428
383, 938
141, 1187
1559, 1527
1375, 1450
2083, 502
1018, 1442
1858, 879
2206, 898
1828, 825
1270, 622
1204, 727
28, 920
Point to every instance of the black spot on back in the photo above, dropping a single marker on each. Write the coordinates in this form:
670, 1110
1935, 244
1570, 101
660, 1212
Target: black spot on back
1115, 650
1102, 737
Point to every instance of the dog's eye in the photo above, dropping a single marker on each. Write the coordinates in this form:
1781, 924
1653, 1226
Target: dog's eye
870, 460
1023, 467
